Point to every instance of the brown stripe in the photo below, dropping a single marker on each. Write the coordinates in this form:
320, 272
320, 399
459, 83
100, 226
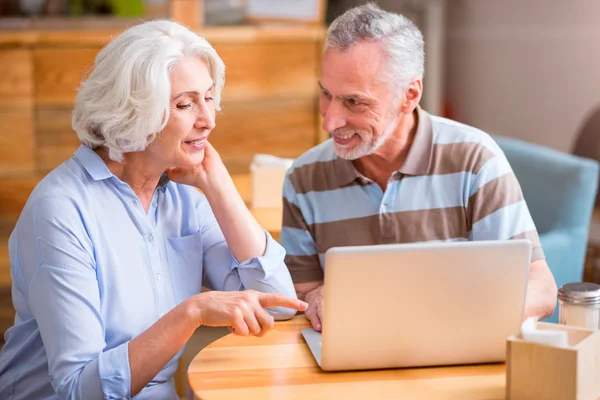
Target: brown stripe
537, 253
399, 227
452, 158
292, 216
304, 268
323, 175
491, 197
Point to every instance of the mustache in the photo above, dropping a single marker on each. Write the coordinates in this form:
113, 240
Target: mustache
346, 131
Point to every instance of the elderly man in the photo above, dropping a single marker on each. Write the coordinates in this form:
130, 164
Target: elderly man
392, 173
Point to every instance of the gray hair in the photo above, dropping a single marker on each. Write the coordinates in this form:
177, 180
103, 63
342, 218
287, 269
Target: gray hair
125, 101
401, 40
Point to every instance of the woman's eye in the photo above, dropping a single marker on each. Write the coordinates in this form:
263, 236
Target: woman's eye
207, 99
183, 106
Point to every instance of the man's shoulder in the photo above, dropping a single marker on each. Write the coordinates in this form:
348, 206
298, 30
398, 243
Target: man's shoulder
322, 152
314, 170
447, 131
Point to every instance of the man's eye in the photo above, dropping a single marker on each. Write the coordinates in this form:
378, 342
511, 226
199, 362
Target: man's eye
353, 102
184, 106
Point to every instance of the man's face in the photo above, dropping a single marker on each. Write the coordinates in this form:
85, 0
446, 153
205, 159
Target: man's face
358, 107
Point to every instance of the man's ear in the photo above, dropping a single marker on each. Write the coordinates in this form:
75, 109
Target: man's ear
412, 96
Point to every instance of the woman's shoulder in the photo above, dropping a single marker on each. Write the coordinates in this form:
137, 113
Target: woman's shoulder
63, 185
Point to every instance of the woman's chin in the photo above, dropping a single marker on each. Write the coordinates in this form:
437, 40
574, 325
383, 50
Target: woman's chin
193, 159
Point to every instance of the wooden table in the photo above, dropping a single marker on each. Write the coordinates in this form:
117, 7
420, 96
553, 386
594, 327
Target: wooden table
280, 366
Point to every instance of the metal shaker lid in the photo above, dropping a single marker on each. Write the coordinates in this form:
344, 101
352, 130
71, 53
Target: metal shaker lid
580, 293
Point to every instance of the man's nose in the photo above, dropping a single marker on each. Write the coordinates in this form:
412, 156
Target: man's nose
333, 118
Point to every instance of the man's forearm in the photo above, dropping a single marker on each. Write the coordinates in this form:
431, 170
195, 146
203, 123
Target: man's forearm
541, 291
302, 289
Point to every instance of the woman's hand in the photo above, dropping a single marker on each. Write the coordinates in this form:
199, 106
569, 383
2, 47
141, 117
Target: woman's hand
211, 171
243, 312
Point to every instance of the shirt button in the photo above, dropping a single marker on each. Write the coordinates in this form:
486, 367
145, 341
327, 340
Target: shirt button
134, 202
384, 208
158, 277
154, 205
150, 237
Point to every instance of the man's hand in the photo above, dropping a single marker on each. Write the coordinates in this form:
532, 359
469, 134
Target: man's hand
314, 312
243, 312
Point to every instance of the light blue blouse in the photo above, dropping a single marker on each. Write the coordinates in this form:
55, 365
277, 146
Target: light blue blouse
91, 270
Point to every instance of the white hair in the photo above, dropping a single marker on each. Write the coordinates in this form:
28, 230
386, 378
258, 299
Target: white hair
125, 101
401, 40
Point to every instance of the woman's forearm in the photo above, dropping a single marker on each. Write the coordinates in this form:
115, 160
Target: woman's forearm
150, 351
244, 236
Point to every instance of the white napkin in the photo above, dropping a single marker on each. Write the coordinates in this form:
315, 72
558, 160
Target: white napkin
269, 161
544, 336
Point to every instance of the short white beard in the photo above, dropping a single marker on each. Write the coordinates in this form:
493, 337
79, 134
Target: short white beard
364, 148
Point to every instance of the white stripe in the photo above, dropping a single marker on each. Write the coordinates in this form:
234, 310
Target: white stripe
446, 131
340, 204
429, 192
322, 152
492, 169
504, 223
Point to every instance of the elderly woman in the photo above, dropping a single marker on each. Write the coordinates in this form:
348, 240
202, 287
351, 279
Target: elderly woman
111, 250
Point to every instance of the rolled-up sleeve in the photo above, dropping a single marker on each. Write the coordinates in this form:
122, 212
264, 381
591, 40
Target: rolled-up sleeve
64, 297
267, 273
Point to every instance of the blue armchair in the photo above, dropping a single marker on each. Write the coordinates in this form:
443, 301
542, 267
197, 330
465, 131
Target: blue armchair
560, 190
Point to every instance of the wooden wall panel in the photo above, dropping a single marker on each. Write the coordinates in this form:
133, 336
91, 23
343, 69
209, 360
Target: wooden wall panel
16, 85
263, 70
58, 73
253, 71
282, 127
16, 142
4, 277
57, 140
13, 196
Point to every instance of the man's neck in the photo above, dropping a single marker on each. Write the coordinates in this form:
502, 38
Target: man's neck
390, 157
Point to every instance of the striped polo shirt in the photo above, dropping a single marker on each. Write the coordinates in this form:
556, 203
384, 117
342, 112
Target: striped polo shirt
456, 184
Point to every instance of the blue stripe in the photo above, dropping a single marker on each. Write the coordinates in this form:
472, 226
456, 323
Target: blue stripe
504, 223
429, 192
297, 242
409, 194
454, 132
289, 192
340, 204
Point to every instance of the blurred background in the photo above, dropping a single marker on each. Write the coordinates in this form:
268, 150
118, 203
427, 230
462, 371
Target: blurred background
523, 69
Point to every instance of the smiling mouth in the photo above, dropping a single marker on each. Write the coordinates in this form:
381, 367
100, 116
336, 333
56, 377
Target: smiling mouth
197, 140
343, 139
197, 144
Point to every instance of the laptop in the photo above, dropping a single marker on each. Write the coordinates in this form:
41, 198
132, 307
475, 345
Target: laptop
420, 304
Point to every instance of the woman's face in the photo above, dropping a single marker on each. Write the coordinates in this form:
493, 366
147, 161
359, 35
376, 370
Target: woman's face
192, 116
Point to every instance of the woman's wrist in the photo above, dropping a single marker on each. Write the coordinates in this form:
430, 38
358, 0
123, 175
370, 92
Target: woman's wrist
193, 310
219, 185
